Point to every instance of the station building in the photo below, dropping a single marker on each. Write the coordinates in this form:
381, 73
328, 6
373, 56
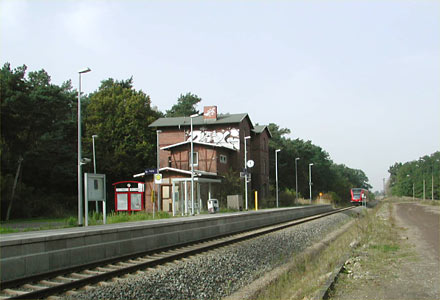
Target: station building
218, 146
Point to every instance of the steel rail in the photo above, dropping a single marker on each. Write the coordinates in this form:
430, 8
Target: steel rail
48, 286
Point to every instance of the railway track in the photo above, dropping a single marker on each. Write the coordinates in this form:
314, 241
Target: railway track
51, 284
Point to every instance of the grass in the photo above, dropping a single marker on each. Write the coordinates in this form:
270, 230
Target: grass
4, 230
34, 220
431, 202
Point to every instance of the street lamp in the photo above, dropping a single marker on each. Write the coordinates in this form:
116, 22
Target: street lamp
310, 181
192, 165
159, 198
94, 162
245, 173
296, 177
276, 172
80, 192
94, 157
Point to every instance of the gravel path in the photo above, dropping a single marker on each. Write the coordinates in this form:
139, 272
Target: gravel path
220, 272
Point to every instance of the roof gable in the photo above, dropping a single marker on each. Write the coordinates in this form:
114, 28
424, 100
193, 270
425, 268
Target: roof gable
258, 129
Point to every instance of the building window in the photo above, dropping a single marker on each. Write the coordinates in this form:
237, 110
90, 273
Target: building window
223, 159
195, 159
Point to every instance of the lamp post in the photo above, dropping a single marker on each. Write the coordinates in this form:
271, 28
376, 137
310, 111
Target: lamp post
310, 181
192, 165
276, 172
94, 162
94, 157
159, 197
80, 192
296, 177
245, 173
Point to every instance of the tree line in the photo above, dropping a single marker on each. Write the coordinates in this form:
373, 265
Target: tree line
411, 178
38, 143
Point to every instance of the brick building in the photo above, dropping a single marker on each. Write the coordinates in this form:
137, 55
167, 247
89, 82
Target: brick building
218, 145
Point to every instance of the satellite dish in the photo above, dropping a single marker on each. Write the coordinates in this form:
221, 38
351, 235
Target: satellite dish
250, 163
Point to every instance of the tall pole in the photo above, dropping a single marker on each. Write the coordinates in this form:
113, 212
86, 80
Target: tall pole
159, 196
192, 169
310, 181
245, 173
80, 191
94, 157
276, 172
192, 165
296, 177
94, 165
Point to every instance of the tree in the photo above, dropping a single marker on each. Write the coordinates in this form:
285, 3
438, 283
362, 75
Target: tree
185, 106
326, 176
120, 116
403, 176
35, 142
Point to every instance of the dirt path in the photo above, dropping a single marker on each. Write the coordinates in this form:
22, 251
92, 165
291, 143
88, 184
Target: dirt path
423, 223
408, 269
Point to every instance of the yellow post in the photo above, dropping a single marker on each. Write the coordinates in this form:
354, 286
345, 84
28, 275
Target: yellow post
256, 200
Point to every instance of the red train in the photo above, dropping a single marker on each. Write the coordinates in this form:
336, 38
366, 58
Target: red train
358, 195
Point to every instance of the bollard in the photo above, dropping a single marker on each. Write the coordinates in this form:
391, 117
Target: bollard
256, 200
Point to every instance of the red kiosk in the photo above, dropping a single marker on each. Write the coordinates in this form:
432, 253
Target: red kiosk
128, 197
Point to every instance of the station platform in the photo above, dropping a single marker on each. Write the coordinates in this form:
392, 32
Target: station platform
38, 252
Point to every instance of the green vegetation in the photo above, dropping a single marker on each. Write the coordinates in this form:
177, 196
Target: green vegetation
327, 177
4, 230
185, 106
385, 248
403, 176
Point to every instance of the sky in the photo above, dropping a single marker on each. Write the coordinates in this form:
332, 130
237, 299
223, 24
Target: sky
361, 79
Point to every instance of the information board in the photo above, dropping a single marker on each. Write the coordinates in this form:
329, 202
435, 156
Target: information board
122, 201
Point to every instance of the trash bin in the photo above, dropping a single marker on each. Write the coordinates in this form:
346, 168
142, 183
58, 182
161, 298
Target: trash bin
213, 206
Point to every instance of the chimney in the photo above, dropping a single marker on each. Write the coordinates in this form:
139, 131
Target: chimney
210, 113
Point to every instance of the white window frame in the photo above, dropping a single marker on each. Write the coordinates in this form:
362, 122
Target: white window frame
195, 159
223, 159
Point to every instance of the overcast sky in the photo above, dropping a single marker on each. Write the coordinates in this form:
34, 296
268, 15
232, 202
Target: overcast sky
358, 78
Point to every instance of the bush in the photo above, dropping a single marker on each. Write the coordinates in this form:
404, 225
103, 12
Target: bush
287, 198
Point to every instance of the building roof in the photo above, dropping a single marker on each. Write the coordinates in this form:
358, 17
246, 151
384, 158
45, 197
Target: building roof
198, 143
186, 121
260, 128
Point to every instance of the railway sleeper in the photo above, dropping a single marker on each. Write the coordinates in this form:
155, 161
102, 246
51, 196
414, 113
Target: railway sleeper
35, 287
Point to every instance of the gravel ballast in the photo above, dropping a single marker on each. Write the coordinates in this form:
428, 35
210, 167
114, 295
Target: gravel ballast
218, 273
